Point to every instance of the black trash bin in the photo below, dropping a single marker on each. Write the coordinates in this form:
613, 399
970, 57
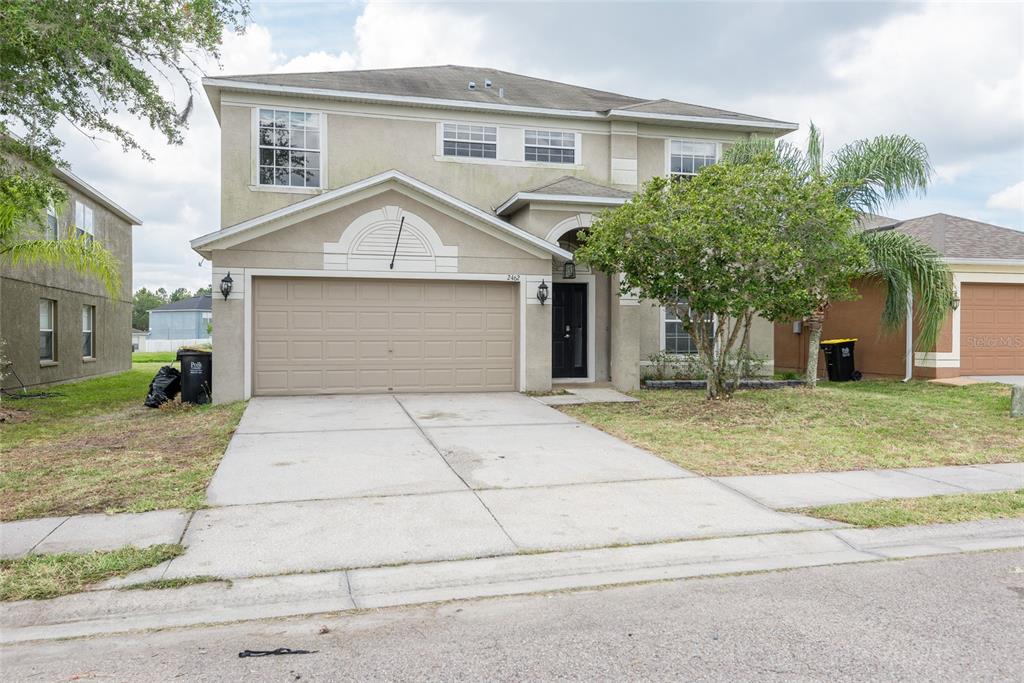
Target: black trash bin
839, 360
196, 376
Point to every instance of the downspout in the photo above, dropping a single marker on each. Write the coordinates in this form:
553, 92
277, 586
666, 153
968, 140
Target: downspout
910, 338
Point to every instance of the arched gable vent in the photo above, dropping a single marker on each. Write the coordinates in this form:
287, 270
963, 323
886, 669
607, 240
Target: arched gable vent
369, 241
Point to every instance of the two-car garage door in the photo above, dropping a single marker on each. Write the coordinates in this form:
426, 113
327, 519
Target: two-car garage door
341, 335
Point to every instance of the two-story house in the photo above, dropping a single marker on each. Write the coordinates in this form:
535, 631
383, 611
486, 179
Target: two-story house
413, 229
61, 325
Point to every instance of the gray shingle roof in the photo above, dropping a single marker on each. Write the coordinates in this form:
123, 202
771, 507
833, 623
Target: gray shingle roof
956, 237
195, 303
572, 186
451, 82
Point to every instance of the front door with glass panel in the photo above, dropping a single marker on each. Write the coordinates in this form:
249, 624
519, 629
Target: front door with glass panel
569, 330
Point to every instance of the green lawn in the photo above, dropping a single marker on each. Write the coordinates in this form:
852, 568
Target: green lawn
154, 356
855, 425
39, 577
94, 447
932, 510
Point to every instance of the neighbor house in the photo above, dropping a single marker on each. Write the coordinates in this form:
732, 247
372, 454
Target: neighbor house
413, 229
60, 325
983, 336
186, 322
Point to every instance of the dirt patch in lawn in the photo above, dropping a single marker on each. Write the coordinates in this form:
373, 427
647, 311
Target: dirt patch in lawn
862, 425
11, 416
132, 459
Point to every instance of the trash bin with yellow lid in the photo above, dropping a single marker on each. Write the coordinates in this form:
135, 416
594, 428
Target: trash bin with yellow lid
839, 360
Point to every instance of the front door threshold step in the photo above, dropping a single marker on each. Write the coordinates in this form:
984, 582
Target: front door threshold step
113, 611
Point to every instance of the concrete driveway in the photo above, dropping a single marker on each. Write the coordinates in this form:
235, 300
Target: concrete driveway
327, 482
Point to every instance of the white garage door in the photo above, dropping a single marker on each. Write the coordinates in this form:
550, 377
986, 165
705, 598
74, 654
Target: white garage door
330, 336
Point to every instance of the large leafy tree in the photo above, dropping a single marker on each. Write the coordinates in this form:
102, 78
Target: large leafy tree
868, 176
143, 301
734, 242
81, 62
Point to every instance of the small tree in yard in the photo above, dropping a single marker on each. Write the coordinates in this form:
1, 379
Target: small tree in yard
733, 242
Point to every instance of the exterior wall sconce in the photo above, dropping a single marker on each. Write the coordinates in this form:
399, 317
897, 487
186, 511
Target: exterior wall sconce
956, 302
225, 285
569, 270
542, 292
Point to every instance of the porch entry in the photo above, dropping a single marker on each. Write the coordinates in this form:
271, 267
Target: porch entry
569, 330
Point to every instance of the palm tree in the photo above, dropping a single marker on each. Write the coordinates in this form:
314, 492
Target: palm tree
20, 244
870, 175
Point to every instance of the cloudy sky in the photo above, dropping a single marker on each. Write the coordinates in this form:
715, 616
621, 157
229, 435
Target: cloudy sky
951, 75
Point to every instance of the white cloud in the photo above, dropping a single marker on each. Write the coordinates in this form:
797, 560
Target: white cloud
950, 173
393, 35
1010, 198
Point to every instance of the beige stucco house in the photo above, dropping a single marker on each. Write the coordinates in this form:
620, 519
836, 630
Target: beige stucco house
409, 230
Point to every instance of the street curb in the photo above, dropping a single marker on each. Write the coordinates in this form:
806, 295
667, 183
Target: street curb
112, 611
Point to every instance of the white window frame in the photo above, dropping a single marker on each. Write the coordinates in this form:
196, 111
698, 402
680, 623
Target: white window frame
51, 232
549, 131
255, 183
52, 330
444, 136
668, 153
89, 317
664, 336
84, 220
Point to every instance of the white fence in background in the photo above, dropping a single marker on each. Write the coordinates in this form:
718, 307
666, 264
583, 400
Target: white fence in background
170, 344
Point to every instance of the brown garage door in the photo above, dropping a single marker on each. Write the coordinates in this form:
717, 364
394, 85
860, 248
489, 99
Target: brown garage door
991, 329
328, 336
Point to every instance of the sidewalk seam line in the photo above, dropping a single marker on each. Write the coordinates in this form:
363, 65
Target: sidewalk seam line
937, 481
440, 454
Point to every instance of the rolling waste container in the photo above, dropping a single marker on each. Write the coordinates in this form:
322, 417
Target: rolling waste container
838, 360
196, 375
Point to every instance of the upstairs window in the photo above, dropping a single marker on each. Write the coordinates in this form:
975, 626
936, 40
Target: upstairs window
687, 158
677, 340
47, 316
84, 221
550, 146
88, 342
465, 140
289, 148
50, 231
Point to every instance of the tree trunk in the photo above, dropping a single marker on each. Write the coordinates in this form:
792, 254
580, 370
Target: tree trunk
814, 323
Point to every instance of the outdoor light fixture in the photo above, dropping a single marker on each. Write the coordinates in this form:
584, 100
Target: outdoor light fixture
956, 302
225, 285
542, 292
569, 270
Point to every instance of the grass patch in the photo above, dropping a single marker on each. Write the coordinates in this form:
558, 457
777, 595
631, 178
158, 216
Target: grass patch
154, 357
96, 448
848, 426
39, 577
164, 584
965, 507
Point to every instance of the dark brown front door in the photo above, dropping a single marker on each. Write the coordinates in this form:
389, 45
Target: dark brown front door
569, 330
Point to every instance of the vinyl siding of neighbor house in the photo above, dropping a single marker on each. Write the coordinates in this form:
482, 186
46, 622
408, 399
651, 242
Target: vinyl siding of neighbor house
22, 286
178, 325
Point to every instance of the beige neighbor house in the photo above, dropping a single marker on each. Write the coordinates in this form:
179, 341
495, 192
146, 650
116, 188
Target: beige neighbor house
59, 325
410, 229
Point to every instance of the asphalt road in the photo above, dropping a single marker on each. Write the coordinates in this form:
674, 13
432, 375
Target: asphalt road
954, 618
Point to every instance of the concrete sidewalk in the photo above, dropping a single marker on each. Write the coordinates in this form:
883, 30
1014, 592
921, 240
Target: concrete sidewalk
788, 491
113, 611
84, 533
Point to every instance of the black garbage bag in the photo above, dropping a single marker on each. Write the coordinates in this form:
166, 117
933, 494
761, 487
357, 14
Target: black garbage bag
164, 387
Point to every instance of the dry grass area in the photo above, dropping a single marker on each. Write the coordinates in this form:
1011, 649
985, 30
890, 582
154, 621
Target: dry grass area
931, 510
95, 448
856, 425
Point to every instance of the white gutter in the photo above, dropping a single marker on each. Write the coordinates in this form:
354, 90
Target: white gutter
327, 93
525, 197
985, 261
681, 118
910, 338
87, 189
